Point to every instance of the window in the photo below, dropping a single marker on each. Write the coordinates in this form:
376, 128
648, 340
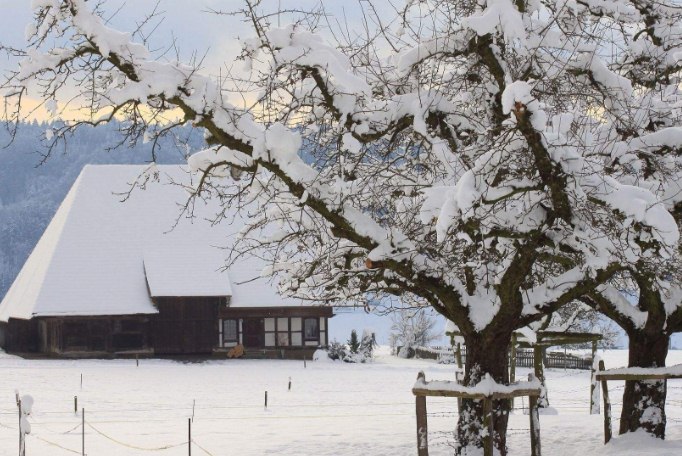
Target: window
230, 332
311, 329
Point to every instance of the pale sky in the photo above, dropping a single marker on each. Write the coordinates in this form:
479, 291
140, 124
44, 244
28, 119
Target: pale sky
191, 23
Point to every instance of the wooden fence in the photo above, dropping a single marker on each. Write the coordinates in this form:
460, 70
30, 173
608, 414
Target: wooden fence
524, 358
603, 376
422, 389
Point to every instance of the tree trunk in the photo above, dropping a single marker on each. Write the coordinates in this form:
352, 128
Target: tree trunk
644, 400
485, 355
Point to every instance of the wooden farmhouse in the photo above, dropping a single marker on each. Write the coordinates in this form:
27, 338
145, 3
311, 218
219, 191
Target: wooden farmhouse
118, 273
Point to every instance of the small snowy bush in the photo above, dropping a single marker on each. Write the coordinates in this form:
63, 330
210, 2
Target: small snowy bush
321, 355
337, 351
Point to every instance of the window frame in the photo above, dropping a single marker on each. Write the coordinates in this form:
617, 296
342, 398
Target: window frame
236, 332
316, 338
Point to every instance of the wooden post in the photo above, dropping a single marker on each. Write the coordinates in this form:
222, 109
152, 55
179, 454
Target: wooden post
189, 436
21, 434
458, 355
539, 369
75, 404
535, 449
594, 385
83, 432
422, 425
488, 442
459, 380
137, 360
512, 366
81, 381
289, 389
266, 399
607, 406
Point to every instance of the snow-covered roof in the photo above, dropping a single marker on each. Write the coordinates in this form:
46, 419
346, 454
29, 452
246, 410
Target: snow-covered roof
107, 253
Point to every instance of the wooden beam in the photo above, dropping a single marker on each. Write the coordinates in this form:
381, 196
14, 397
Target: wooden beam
594, 392
422, 425
494, 396
606, 376
607, 405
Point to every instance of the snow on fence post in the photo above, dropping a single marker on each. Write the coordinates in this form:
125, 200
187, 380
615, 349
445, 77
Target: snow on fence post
535, 449
422, 426
607, 405
25, 406
21, 435
594, 386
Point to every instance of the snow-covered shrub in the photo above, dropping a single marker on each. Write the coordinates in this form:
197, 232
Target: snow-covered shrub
367, 344
321, 355
406, 352
337, 351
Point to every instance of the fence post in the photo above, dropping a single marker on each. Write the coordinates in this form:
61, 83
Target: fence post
607, 405
488, 444
458, 355
543, 400
189, 436
594, 386
459, 380
422, 425
83, 432
21, 434
512, 365
535, 448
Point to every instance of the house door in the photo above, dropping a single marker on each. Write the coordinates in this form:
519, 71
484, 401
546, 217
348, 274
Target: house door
254, 332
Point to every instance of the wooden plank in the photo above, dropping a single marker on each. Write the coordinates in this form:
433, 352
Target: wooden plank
607, 405
607, 376
422, 425
449, 393
488, 442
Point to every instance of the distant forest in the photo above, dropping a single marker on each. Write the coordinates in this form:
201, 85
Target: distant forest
31, 188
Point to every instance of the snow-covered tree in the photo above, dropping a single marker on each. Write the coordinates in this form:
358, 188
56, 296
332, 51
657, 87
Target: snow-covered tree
643, 118
412, 328
465, 156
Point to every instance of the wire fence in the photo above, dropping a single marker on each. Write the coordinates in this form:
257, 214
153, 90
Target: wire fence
50, 427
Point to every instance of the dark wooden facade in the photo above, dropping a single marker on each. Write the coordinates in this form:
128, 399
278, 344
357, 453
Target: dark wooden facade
183, 326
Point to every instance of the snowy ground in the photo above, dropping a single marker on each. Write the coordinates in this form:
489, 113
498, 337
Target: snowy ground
332, 409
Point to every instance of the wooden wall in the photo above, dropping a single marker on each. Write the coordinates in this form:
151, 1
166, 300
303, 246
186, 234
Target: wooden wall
21, 336
185, 325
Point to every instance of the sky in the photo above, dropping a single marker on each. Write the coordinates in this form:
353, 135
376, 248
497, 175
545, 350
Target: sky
194, 26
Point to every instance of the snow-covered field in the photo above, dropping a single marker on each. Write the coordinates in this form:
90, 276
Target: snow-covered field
332, 409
